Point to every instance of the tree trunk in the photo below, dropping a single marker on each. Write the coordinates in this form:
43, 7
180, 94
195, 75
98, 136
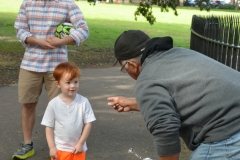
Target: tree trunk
237, 3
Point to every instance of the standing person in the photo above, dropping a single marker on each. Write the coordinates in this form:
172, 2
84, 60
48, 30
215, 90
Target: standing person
35, 25
68, 116
181, 92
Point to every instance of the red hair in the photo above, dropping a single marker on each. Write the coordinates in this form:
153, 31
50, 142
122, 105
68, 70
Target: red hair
66, 67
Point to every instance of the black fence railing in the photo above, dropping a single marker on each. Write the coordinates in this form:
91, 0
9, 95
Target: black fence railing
217, 37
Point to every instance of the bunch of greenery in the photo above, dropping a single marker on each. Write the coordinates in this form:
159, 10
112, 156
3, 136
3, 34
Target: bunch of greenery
91, 2
145, 9
228, 6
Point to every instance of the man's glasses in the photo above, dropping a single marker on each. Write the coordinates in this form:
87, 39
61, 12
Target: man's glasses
123, 69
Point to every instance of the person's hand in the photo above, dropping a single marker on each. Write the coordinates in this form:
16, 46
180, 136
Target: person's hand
78, 149
123, 104
54, 41
119, 103
45, 44
53, 153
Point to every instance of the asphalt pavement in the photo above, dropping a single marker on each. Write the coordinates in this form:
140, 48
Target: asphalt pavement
112, 134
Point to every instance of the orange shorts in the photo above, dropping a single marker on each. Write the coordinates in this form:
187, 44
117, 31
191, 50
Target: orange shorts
62, 155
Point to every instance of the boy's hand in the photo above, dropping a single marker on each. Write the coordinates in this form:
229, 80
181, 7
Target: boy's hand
53, 153
78, 149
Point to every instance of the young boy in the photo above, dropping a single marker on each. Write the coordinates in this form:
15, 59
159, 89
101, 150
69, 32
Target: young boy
68, 116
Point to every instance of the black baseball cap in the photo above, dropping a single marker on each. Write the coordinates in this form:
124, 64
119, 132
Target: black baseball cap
130, 44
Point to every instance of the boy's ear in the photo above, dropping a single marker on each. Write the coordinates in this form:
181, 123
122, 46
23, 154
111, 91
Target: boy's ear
57, 84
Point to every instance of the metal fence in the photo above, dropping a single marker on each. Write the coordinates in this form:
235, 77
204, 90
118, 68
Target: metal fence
217, 37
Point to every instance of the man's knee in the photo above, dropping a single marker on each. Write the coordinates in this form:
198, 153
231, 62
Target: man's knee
29, 106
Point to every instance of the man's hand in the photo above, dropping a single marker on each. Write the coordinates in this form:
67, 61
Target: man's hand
57, 42
123, 104
39, 42
54, 41
44, 44
51, 42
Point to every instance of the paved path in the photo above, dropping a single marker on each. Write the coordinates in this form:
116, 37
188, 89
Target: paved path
112, 133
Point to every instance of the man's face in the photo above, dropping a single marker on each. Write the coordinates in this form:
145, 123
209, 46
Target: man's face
130, 67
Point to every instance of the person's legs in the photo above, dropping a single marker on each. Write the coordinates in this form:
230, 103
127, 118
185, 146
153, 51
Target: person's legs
28, 121
50, 85
29, 90
228, 149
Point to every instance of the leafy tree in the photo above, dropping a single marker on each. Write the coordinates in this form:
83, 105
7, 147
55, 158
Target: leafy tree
237, 4
92, 2
145, 9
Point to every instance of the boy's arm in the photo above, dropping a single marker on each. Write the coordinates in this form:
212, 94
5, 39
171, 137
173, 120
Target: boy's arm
51, 143
86, 131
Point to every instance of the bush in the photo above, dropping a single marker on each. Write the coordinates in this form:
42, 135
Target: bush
227, 6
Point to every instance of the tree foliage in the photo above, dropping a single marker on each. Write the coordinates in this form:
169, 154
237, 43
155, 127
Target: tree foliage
145, 9
92, 2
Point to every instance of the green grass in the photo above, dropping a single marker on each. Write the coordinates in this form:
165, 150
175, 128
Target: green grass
106, 22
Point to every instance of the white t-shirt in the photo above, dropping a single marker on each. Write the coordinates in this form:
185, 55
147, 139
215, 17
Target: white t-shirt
68, 121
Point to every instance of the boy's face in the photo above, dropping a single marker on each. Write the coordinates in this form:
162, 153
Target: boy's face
68, 88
